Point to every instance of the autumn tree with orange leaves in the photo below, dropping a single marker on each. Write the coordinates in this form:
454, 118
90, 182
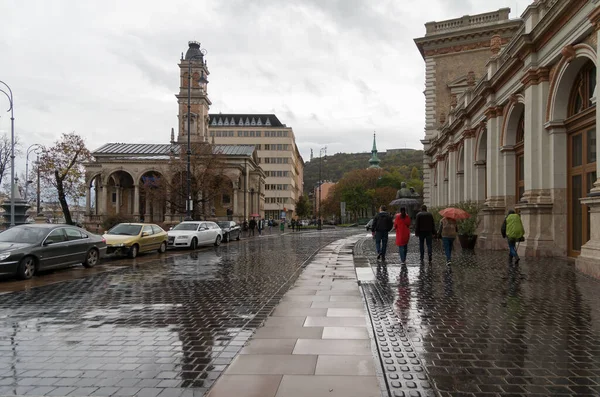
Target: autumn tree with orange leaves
61, 166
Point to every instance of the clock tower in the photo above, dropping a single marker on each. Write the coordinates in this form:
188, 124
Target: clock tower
193, 96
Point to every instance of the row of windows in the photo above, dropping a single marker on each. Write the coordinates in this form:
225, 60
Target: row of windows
278, 146
268, 134
224, 133
274, 160
277, 200
277, 187
278, 173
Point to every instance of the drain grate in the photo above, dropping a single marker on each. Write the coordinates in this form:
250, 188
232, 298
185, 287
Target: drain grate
404, 374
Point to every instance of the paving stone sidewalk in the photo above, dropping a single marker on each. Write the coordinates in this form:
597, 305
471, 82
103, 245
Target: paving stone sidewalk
317, 342
482, 327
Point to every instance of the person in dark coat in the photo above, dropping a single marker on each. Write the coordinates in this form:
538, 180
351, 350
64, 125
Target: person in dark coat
382, 224
252, 226
424, 229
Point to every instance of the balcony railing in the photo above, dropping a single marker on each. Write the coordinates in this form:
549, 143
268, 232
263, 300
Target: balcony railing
467, 21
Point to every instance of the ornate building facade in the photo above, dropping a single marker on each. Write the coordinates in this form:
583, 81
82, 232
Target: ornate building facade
120, 173
514, 125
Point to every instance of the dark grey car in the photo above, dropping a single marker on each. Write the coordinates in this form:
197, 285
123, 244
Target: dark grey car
26, 249
231, 230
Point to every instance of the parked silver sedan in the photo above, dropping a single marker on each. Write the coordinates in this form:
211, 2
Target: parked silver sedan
192, 234
26, 249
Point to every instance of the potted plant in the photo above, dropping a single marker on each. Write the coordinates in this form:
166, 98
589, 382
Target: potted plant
467, 228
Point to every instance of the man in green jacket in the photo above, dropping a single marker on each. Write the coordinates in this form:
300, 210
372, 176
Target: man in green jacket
513, 231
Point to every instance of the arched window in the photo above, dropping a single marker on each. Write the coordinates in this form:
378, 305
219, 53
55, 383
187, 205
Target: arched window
583, 89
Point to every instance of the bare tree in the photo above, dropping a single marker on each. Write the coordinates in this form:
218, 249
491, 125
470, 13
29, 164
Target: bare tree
208, 182
5, 153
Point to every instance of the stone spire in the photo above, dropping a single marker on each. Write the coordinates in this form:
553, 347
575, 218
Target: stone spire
374, 160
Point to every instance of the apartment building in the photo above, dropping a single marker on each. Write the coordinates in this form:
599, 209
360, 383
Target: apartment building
278, 156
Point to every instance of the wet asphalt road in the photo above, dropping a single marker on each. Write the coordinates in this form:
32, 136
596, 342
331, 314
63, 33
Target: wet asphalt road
163, 325
482, 327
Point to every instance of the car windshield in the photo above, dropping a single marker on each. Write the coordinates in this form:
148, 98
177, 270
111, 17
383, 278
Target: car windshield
124, 229
186, 226
23, 234
223, 225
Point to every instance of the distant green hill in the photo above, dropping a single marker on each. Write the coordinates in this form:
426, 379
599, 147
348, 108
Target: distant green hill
338, 164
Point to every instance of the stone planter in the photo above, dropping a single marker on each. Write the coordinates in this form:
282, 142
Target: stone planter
467, 242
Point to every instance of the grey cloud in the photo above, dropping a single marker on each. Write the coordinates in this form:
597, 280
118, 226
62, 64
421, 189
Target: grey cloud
116, 76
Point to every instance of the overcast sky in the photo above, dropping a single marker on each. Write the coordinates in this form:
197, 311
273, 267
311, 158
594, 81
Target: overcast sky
334, 70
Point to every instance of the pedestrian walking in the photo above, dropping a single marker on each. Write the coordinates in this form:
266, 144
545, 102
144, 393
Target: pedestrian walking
424, 229
402, 226
293, 223
259, 227
382, 224
270, 224
448, 231
512, 230
252, 226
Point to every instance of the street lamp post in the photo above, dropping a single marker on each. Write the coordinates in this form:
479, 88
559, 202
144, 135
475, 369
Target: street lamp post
9, 95
189, 201
35, 148
322, 151
39, 201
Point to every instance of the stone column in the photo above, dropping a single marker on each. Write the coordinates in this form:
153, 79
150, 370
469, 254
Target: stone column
452, 179
441, 187
103, 204
236, 210
494, 208
88, 200
118, 200
136, 201
558, 185
479, 181
509, 182
536, 207
494, 170
469, 178
460, 186
434, 189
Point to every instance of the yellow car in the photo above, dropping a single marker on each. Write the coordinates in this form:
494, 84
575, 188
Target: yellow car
132, 238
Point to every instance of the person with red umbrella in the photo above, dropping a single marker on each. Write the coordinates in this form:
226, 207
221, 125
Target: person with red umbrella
402, 226
449, 229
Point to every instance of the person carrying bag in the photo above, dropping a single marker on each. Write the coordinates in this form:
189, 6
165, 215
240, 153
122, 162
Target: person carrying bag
514, 232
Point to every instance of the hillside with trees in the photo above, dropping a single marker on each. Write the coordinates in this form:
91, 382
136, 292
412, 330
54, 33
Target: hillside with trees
333, 168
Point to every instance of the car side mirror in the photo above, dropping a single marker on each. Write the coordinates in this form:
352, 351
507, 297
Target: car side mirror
145, 234
48, 242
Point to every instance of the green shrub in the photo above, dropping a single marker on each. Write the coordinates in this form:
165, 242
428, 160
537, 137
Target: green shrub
112, 220
468, 227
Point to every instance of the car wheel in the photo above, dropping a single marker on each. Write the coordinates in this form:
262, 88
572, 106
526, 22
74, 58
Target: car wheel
218, 241
194, 244
163, 248
134, 251
91, 259
26, 268
238, 236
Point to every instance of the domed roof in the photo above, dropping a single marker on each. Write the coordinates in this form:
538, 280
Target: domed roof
194, 52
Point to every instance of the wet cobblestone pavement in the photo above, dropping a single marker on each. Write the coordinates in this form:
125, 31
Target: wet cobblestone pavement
168, 326
482, 327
